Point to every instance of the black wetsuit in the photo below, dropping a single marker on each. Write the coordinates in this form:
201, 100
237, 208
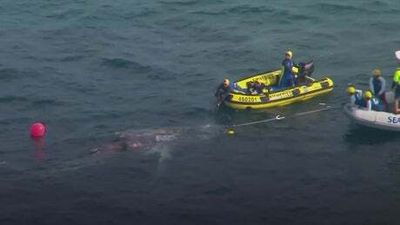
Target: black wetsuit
222, 92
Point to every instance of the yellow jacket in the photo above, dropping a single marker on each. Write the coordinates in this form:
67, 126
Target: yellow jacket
396, 76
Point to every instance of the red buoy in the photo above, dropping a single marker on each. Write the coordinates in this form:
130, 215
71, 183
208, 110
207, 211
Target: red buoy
38, 129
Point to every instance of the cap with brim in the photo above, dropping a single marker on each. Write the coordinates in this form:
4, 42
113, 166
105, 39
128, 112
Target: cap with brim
289, 53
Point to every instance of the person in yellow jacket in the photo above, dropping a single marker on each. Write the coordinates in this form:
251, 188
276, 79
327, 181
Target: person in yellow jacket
396, 84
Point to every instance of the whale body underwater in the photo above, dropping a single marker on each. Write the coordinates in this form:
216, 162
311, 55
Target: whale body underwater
156, 139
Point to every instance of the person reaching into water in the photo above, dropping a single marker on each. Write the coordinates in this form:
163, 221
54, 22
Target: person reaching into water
288, 76
222, 91
377, 84
396, 84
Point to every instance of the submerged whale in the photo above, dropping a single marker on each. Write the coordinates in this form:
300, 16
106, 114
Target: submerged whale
157, 139
138, 140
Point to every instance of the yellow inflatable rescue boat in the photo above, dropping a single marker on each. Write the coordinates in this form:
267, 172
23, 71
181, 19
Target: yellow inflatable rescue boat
244, 95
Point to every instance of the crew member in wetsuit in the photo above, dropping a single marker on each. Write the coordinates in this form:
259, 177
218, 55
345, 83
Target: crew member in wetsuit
222, 91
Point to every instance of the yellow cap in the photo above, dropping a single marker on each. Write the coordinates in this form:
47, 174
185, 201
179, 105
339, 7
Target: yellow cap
377, 72
289, 53
351, 90
226, 82
368, 94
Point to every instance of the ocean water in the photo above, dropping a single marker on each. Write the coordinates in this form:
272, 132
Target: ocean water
89, 69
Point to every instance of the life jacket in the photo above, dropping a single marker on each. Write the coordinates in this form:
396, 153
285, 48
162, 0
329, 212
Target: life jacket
222, 91
377, 104
357, 99
377, 85
396, 76
396, 82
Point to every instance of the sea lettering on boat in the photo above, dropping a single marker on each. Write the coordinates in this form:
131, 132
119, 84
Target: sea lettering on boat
393, 120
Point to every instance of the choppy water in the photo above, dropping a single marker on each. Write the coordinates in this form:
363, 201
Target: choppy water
92, 68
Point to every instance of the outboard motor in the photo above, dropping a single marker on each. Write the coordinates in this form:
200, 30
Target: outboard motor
305, 69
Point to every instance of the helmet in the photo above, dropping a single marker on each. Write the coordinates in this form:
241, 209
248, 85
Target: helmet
368, 94
377, 72
226, 82
351, 89
289, 53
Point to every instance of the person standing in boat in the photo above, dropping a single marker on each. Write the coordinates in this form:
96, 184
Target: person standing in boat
396, 84
377, 84
288, 76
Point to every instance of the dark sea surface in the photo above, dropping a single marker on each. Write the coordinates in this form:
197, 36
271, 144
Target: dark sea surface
91, 68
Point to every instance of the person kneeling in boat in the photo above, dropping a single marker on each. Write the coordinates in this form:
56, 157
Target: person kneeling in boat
377, 85
255, 87
288, 75
372, 103
222, 91
396, 85
356, 96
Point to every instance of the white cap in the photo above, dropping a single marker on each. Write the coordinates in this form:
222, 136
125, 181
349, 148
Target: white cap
397, 53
